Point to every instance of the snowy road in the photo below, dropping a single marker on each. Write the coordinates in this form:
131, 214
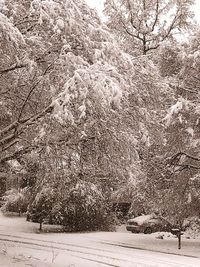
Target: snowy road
87, 251
27, 248
84, 251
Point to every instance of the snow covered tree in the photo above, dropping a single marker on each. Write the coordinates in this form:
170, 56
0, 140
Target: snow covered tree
74, 101
71, 55
172, 168
184, 117
145, 24
45, 207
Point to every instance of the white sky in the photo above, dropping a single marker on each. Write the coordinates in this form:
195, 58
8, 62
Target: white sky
98, 4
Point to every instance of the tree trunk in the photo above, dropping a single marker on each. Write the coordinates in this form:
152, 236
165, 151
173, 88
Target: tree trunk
40, 226
179, 239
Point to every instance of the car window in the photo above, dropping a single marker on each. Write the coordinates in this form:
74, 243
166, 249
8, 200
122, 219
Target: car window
158, 220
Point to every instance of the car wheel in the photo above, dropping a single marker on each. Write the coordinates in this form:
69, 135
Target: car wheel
148, 230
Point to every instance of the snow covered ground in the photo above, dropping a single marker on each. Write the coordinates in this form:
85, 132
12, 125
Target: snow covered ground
22, 245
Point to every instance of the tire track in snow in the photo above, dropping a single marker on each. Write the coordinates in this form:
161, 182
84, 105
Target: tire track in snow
70, 250
54, 242
103, 258
102, 261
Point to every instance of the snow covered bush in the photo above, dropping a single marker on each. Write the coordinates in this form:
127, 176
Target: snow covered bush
192, 226
16, 201
44, 208
86, 209
82, 208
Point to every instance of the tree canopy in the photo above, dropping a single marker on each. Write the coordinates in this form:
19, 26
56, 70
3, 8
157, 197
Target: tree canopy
146, 24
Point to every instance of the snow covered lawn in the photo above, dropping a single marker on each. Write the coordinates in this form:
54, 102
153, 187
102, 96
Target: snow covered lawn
22, 245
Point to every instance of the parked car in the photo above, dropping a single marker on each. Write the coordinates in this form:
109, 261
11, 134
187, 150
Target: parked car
148, 224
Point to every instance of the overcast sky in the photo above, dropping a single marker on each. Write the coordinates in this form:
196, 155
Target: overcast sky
98, 4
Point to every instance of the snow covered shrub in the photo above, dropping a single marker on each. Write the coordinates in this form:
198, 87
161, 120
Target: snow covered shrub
16, 201
45, 208
86, 209
81, 207
192, 226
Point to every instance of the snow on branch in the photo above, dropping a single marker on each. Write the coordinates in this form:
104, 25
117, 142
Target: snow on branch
182, 161
180, 105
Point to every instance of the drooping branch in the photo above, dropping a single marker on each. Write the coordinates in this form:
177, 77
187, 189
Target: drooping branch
176, 162
7, 139
8, 142
17, 154
179, 154
32, 90
186, 167
25, 122
14, 67
14, 142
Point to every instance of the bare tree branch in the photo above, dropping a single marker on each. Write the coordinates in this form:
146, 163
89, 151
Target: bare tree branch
15, 67
17, 154
179, 154
156, 16
22, 124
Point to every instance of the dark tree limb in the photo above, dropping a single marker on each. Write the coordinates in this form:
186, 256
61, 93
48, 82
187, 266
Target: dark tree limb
14, 67
17, 154
179, 154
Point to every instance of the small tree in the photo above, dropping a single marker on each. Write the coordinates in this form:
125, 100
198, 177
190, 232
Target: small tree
43, 208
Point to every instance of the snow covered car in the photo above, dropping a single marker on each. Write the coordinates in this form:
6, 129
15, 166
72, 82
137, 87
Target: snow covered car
148, 224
